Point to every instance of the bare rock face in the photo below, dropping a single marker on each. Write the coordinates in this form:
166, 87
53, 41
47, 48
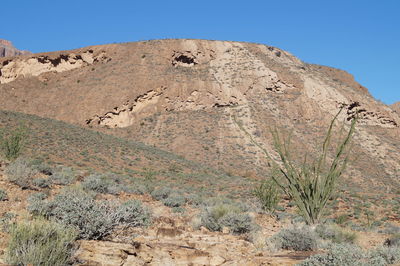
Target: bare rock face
7, 49
396, 107
198, 98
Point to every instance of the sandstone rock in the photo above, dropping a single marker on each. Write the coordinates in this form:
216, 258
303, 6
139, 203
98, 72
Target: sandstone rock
7, 49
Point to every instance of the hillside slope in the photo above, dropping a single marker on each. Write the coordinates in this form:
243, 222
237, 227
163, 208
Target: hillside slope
198, 98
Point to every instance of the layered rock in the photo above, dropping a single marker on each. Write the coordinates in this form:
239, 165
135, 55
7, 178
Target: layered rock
200, 99
7, 49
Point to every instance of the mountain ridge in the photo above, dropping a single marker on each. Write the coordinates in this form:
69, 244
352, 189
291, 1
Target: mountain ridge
194, 97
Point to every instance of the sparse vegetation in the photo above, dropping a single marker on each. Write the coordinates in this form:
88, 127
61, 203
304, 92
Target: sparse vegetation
352, 255
335, 233
102, 183
93, 219
296, 238
216, 217
12, 145
268, 195
21, 172
3, 195
40, 242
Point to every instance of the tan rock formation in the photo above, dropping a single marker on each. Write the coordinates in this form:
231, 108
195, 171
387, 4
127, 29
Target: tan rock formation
7, 49
196, 98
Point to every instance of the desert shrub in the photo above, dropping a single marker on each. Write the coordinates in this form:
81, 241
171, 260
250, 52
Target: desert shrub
194, 199
3, 195
384, 256
37, 204
132, 213
296, 238
216, 217
93, 219
21, 173
174, 200
335, 233
40, 242
238, 223
41, 182
161, 193
63, 176
12, 145
101, 183
351, 255
338, 255
268, 195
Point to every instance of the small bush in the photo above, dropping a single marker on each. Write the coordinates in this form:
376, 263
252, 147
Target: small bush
351, 255
12, 145
238, 223
174, 200
384, 256
161, 193
21, 173
37, 205
338, 255
268, 195
93, 219
63, 176
40, 242
101, 183
41, 182
335, 233
132, 213
216, 217
3, 195
298, 239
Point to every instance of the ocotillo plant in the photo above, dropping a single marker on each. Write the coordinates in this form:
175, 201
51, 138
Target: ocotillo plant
312, 184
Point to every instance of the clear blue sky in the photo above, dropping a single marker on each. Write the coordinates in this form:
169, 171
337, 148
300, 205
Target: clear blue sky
361, 37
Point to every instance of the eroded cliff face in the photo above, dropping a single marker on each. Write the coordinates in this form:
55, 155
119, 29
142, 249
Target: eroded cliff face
196, 98
7, 49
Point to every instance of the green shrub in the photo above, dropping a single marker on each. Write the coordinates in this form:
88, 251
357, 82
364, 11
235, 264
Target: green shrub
337, 255
101, 183
93, 219
41, 182
268, 195
37, 204
161, 193
216, 217
3, 195
132, 213
21, 172
335, 233
296, 238
40, 242
63, 176
384, 256
238, 223
12, 145
174, 200
351, 255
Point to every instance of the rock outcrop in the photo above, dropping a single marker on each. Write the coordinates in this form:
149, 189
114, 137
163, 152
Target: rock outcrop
198, 98
7, 49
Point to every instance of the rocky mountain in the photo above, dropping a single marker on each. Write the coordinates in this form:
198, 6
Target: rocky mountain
396, 107
209, 101
7, 49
